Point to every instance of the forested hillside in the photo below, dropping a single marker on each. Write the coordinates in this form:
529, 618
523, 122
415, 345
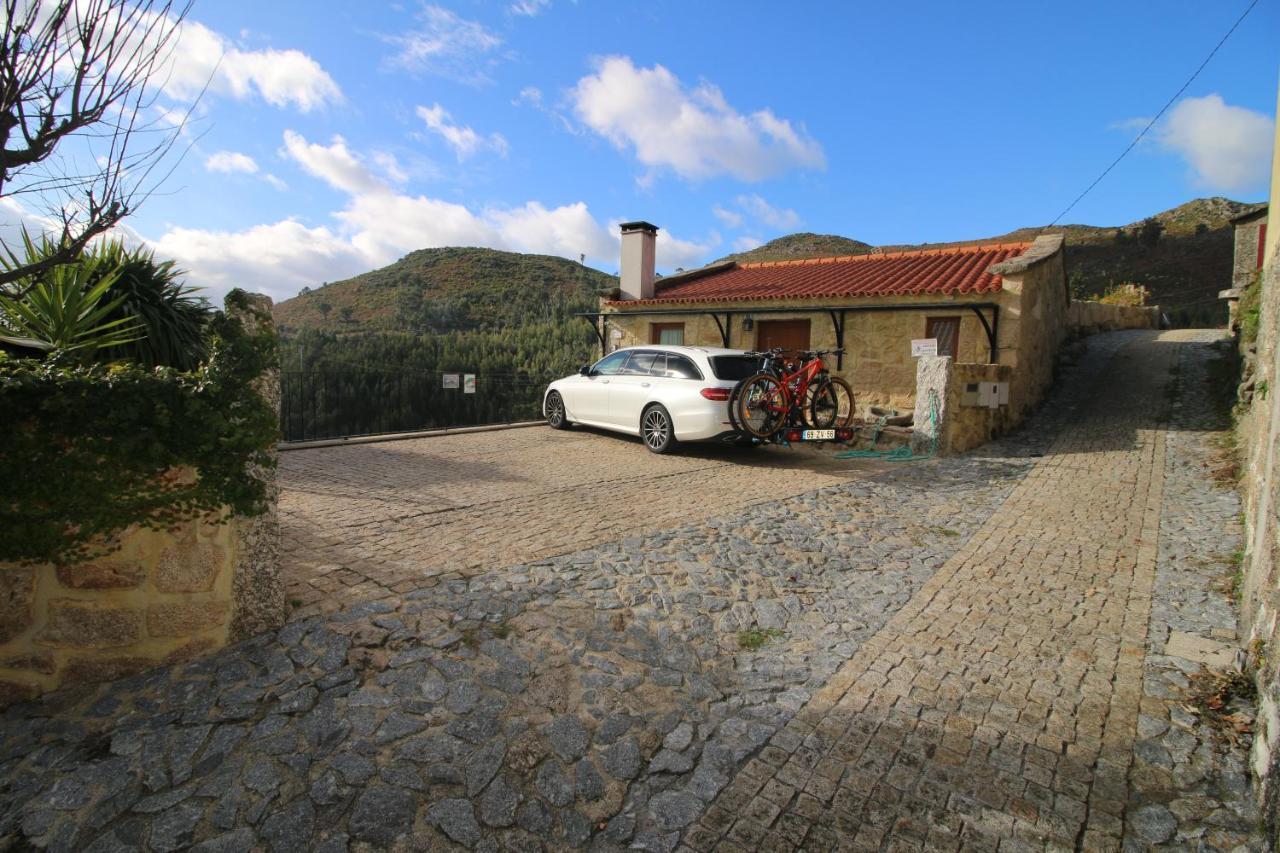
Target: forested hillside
369, 354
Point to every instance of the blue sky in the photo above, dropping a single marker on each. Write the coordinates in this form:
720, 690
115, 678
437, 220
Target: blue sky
335, 136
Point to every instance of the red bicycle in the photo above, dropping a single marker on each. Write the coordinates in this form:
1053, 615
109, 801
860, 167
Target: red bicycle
796, 393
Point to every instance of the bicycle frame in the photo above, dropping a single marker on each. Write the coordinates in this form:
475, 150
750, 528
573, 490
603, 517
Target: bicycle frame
795, 384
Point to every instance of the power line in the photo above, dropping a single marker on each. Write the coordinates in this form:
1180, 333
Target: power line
1151, 123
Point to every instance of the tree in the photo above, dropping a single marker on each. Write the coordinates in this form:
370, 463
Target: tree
76, 80
324, 308
1149, 233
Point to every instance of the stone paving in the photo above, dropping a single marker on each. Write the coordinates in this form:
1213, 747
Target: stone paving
372, 520
943, 655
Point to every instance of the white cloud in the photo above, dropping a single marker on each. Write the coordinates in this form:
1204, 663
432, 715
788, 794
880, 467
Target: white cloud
731, 218
379, 224
334, 164
746, 244
277, 259
530, 95
775, 217
229, 162
529, 8
446, 45
1228, 147
202, 57
461, 138
275, 182
694, 132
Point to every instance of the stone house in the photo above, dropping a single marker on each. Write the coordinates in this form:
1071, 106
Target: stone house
1250, 236
1003, 308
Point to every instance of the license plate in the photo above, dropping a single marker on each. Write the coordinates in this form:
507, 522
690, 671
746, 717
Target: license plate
818, 435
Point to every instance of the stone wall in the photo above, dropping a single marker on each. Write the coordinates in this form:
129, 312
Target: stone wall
160, 597
1090, 318
1034, 321
1244, 265
944, 424
1258, 434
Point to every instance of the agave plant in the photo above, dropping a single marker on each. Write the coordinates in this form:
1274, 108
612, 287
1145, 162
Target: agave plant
64, 310
172, 314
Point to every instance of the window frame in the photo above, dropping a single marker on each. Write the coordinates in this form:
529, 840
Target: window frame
656, 330
697, 371
626, 356
929, 333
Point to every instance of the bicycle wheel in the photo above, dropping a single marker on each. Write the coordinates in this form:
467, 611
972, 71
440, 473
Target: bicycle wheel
761, 406
831, 404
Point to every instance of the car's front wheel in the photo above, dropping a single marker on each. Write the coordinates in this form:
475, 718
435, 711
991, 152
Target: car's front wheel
656, 429
556, 416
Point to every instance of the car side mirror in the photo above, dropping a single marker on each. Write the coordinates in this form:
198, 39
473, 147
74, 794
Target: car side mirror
585, 370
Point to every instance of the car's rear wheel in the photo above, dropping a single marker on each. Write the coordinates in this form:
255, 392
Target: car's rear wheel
556, 416
656, 429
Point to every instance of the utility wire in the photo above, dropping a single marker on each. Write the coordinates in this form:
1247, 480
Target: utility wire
1151, 123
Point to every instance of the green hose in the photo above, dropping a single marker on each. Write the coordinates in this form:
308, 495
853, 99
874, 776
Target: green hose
899, 454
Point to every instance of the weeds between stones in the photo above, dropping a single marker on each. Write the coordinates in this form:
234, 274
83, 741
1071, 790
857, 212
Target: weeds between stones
1225, 700
754, 639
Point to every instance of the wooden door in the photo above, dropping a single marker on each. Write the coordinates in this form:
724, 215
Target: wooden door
788, 334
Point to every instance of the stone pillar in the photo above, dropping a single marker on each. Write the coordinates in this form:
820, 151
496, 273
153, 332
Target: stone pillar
257, 591
933, 385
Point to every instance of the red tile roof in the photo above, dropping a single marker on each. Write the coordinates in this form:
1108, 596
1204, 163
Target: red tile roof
952, 272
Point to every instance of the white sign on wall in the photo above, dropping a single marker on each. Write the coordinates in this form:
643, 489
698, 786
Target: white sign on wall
468, 383
924, 346
616, 334
450, 380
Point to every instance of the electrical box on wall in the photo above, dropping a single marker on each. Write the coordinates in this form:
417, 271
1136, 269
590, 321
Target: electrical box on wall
985, 395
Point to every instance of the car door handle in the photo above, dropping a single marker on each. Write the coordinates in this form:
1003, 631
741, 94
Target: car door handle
644, 384
604, 381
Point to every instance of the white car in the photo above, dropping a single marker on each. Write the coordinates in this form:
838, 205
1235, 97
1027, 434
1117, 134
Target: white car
664, 394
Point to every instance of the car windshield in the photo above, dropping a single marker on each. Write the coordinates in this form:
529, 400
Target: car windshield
735, 367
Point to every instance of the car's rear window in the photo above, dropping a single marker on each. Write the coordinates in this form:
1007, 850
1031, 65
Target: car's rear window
735, 367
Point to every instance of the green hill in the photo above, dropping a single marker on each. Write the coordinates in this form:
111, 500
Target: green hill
449, 289
804, 245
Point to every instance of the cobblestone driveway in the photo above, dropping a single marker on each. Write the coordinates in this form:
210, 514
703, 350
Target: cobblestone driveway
371, 520
972, 653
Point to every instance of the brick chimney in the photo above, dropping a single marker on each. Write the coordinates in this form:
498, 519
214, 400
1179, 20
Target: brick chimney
639, 240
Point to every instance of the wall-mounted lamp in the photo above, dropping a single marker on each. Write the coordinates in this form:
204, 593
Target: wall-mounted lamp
748, 324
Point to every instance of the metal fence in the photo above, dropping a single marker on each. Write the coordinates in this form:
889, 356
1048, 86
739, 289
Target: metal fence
340, 404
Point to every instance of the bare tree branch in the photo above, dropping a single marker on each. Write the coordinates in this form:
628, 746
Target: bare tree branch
81, 76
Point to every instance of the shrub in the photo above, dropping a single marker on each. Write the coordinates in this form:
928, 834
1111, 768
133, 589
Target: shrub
91, 449
173, 316
1133, 295
66, 311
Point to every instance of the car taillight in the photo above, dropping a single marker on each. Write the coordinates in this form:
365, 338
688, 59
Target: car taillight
718, 394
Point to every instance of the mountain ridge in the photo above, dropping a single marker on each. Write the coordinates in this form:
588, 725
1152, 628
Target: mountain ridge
1183, 255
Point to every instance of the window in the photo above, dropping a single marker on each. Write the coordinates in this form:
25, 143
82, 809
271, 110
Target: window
679, 367
735, 367
612, 363
667, 334
640, 364
659, 367
947, 331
